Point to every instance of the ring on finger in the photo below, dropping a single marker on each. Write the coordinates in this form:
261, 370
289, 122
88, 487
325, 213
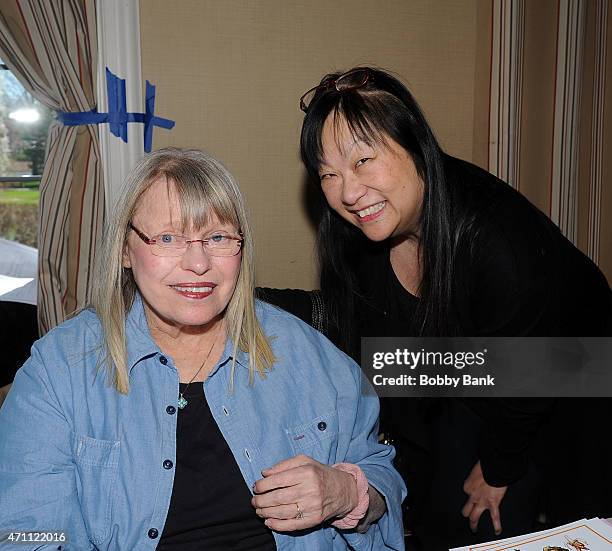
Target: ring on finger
300, 513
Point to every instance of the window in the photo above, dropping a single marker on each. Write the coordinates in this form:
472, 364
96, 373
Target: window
24, 125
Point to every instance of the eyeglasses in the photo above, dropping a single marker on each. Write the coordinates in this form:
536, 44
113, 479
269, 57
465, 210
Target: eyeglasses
351, 80
218, 243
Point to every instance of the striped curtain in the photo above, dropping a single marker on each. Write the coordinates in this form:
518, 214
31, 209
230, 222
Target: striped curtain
50, 46
549, 118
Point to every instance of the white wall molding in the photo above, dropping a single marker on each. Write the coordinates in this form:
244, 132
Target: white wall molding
118, 23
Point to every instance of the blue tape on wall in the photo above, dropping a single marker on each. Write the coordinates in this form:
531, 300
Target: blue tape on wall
118, 116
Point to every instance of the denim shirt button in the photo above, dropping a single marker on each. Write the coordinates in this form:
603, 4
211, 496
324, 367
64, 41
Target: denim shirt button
153, 533
170, 410
167, 464
163, 360
322, 425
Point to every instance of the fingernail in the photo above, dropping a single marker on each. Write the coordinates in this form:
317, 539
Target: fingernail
265, 471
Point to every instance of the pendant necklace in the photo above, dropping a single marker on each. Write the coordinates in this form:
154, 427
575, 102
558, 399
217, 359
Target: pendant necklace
182, 402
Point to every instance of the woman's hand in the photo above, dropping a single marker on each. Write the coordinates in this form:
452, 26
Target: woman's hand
481, 497
320, 491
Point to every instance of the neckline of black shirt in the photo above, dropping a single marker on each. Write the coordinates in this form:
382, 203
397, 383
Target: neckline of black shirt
210, 507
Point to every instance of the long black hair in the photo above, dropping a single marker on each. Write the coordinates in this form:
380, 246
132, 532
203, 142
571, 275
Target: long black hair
382, 107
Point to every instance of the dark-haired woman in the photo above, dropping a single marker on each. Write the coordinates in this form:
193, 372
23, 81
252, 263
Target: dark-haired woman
415, 242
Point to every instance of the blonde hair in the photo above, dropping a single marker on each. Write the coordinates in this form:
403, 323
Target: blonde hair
203, 186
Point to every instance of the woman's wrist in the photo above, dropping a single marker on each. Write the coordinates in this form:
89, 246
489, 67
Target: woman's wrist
352, 518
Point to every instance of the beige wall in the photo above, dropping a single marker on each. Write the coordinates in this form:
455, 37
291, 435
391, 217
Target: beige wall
231, 72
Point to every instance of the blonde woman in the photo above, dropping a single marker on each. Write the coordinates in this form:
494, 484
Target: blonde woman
178, 412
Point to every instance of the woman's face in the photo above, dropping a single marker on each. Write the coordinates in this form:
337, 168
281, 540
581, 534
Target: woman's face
185, 292
375, 186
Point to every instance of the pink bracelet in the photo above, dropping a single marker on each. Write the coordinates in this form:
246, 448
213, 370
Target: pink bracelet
353, 517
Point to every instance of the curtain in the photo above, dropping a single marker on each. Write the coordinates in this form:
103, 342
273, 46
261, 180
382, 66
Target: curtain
50, 46
549, 119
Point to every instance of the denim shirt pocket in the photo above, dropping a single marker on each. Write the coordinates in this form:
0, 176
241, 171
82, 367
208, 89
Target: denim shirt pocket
97, 463
318, 438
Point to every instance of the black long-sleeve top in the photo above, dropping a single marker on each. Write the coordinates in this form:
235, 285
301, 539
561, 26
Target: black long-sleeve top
515, 274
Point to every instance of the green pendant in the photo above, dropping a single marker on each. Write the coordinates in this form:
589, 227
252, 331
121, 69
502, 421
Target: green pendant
181, 402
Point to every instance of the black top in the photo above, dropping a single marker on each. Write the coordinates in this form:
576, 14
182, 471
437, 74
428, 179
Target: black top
210, 506
515, 274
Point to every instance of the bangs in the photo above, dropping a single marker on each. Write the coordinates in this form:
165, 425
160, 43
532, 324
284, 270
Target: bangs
200, 196
199, 204
367, 114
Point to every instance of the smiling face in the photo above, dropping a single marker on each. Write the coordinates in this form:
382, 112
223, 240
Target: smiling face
186, 292
374, 186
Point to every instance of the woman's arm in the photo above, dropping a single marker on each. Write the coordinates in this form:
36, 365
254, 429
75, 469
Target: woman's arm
515, 290
301, 492
376, 510
382, 526
37, 478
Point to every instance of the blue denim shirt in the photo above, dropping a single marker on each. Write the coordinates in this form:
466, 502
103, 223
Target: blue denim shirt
78, 457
